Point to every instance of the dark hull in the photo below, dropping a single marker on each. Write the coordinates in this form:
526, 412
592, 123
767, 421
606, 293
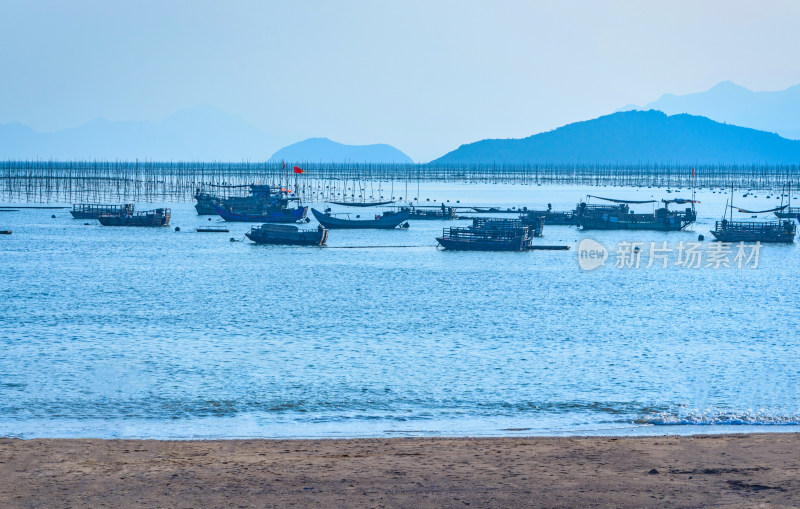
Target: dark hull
749, 231
282, 216
84, 215
782, 238
438, 216
554, 218
205, 208
482, 245
141, 219
383, 223
592, 223
559, 220
312, 238
788, 213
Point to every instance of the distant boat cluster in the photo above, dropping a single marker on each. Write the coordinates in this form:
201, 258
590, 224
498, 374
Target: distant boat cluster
279, 211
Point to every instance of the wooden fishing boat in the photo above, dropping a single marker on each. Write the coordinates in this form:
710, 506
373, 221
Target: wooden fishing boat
564, 218
775, 232
787, 211
275, 215
263, 200
5, 232
289, 235
427, 213
157, 217
93, 210
206, 201
460, 238
386, 221
778, 232
205, 204
661, 219
535, 226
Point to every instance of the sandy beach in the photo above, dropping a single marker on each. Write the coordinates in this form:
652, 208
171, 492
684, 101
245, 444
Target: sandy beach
721, 470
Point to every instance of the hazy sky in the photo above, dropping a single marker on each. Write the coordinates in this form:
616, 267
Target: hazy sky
424, 76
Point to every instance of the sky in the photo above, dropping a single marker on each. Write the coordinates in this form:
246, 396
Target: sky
423, 76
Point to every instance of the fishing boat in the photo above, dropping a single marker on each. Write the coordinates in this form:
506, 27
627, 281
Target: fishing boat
385, 221
535, 226
788, 212
428, 213
551, 217
93, 210
776, 232
157, 217
205, 204
262, 206
461, 238
276, 215
661, 219
206, 201
286, 234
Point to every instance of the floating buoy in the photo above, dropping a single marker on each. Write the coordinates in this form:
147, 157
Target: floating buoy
85, 224
177, 228
233, 240
209, 219
53, 216
701, 238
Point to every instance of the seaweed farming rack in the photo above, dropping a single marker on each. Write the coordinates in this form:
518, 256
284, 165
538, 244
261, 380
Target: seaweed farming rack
124, 181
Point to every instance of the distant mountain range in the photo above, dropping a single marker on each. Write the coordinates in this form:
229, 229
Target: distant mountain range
634, 137
777, 112
316, 150
201, 133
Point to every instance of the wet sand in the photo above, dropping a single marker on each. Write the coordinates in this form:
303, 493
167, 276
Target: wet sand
721, 470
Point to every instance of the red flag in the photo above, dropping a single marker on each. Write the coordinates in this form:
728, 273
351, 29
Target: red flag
284, 165
298, 170
692, 172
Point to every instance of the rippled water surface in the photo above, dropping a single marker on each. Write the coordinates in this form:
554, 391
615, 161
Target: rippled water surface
112, 332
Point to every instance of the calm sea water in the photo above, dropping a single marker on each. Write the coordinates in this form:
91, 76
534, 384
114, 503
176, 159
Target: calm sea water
126, 332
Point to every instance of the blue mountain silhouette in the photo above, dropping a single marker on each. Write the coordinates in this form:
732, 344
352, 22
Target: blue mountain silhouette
777, 111
635, 137
200, 133
323, 150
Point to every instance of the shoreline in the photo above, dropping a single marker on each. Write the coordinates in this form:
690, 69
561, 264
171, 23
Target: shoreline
665, 471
